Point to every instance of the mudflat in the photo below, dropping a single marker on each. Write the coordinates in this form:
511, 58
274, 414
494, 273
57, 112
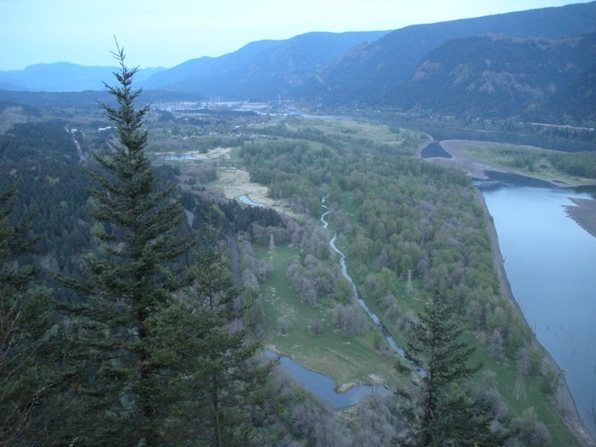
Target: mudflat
584, 213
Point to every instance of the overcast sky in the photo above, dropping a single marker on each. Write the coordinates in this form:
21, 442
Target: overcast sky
168, 32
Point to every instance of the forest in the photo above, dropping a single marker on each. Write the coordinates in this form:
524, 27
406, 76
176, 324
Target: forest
137, 295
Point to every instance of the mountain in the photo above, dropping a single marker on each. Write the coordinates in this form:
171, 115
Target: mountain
494, 76
371, 72
261, 70
62, 77
577, 100
207, 67
87, 99
530, 63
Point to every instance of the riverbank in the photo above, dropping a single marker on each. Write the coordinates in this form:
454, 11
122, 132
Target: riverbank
476, 169
563, 397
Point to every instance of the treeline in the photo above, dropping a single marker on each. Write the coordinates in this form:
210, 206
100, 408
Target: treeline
150, 345
41, 160
578, 164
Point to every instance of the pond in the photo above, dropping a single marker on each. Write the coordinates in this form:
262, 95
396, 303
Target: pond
323, 386
244, 198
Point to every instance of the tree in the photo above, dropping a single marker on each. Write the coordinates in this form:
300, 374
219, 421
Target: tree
447, 415
24, 319
128, 282
219, 392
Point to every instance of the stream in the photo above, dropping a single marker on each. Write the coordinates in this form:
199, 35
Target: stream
322, 386
356, 293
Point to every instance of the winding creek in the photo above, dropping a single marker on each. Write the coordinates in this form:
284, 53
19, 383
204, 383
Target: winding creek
244, 198
356, 293
322, 386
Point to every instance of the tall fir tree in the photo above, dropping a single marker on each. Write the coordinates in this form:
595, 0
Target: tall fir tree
25, 317
448, 416
128, 281
218, 396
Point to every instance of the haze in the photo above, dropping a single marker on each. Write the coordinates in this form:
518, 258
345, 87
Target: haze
158, 33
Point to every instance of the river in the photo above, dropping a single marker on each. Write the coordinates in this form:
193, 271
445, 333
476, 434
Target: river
550, 262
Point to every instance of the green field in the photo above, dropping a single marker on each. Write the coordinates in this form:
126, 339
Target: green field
349, 360
533, 162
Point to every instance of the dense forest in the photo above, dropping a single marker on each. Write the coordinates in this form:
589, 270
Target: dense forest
135, 309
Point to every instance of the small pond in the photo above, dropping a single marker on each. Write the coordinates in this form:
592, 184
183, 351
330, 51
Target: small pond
244, 198
323, 386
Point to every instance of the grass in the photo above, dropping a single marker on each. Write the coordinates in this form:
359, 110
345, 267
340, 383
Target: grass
529, 161
523, 395
348, 360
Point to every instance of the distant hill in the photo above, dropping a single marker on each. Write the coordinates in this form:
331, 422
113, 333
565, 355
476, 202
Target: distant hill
261, 70
530, 63
61, 77
87, 98
495, 76
371, 72
577, 100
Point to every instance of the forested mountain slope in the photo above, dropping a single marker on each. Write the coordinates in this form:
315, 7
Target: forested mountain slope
496, 76
261, 70
376, 70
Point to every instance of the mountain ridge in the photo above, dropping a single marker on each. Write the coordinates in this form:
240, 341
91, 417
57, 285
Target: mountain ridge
62, 77
385, 68
495, 75
262, 69
378, 68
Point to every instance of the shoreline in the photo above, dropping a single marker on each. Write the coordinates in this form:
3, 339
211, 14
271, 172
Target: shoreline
477, 169
563, 397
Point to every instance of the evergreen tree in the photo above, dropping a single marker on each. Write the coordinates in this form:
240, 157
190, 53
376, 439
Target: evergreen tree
219, 393
128, 282
448, 416
24, 320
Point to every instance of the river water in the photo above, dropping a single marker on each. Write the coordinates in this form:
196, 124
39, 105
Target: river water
550, 262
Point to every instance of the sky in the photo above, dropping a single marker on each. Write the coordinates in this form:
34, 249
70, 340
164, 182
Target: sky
168, 32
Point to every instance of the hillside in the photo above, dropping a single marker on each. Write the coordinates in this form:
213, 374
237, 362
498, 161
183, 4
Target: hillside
264, 69
535, 65
376, 70
61, 77
577, 100
496, 76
